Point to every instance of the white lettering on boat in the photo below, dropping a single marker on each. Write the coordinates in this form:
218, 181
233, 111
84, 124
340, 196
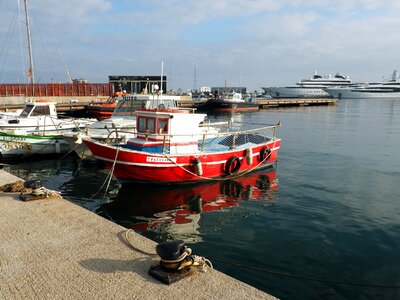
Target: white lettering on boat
160, 159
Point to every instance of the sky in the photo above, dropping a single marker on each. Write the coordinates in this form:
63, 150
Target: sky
251, 43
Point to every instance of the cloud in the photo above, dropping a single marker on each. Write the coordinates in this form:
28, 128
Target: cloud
253, 42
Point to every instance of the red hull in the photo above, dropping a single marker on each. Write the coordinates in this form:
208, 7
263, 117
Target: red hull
100, 111
155, 168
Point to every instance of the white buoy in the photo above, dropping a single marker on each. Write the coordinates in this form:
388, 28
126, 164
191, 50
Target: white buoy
249, 156
198, 167
58, 147
78, 139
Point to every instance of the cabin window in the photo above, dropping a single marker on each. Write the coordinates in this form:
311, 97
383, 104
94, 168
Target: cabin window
142, 124
27, 110
150, 125
162, 126
146, 125
41, 111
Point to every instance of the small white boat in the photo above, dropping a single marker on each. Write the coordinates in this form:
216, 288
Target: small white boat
39, 116
36, 130
232, 102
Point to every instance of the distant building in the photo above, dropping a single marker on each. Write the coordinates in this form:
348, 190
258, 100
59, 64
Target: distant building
229, 89
137, 84
205, 89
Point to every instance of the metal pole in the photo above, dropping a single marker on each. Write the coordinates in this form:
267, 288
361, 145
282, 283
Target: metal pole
28, 30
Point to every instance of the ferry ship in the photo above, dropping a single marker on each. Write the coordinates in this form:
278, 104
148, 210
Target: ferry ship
388, 89
309, 88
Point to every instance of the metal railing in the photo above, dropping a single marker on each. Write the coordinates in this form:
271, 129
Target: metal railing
210, 140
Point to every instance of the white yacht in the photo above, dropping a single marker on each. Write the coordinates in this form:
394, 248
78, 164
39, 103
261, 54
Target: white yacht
309, 88
387, 89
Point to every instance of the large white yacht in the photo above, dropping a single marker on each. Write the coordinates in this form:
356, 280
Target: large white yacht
309, 88
385, 89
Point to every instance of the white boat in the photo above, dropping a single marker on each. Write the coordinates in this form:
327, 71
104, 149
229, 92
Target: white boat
38, 117
309, 88
380, 90
36, 130
122, 124
229, 102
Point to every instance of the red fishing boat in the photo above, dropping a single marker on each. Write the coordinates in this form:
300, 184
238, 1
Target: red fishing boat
176, 146
104, 109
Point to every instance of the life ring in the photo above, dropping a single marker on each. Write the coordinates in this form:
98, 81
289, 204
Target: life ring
263, 183
265, 154
232, 166
231, 188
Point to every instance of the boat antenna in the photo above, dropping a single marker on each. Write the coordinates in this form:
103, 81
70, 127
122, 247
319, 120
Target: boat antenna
162, 74
31, 73
160, 99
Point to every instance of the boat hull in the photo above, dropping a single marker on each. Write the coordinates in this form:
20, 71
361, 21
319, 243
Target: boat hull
356, 94
100, 111
295, 92
227, 106
14, 146
153, 168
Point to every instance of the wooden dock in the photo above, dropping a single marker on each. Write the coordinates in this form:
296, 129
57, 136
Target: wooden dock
265, 103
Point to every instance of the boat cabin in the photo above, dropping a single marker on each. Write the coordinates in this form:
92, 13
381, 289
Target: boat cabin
129, 104
167, 131
34, 114
234, 97
39, 108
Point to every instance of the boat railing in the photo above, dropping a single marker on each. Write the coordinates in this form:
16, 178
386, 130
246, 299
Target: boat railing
210, 139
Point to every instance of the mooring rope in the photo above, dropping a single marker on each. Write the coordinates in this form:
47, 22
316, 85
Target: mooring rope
108, 178
111, 172
135, 248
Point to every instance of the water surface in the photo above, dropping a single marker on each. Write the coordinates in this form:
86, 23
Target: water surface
330, 210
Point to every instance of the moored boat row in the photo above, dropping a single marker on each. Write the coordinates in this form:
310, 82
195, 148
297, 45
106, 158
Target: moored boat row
151, 141
177, 146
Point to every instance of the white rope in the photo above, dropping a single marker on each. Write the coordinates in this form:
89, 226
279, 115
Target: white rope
111, 172
108, 178
187, 252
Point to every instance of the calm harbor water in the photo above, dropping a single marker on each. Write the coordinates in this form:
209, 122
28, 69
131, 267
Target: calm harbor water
325, 220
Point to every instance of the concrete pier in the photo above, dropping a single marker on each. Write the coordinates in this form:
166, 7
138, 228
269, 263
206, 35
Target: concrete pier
54, 249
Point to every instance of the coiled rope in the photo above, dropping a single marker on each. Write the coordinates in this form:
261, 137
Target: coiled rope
196, 260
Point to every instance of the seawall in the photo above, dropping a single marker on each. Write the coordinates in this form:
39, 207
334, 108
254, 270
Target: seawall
54, 249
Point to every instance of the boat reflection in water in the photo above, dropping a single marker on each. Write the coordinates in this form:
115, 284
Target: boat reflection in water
175, 212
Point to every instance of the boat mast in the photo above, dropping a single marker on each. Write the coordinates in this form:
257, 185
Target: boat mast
161, 81
31, 74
